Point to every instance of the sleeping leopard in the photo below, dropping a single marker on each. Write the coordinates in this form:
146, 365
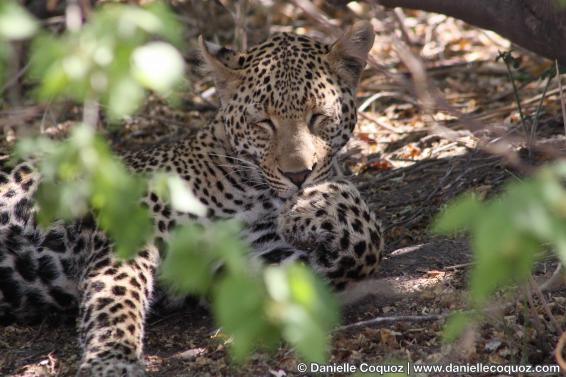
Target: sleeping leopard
267, 159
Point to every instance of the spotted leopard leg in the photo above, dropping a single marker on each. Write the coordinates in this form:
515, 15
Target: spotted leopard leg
332, 223
114, 302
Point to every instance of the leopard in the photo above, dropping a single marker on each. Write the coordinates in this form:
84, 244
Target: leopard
267, 159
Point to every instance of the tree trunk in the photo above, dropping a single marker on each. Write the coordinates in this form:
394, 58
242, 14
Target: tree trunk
537, 25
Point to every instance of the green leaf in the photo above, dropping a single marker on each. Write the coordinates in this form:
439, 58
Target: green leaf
158, 66
174, 189
125, 96
503, 254
121, 216
194, 252
303, 307
5, 51
111, 58
239, 303
455, 325
310, 292
15, 22
183, 199
308, 337
226, 244
81, 173
459, 216
188, 266
170, 27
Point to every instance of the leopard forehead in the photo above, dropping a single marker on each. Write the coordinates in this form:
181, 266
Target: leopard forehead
287, 75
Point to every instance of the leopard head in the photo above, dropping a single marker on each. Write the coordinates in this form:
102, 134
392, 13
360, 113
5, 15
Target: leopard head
287, 105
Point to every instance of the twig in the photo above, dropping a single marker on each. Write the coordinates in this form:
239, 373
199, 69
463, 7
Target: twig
558, 351
162, 319
516, 93
44, 117
15, 78
16, 118
534, 125
459, 266
531, 308
241, 34
556, 275
73, 16
395, 319
86, 8
499, 111
53, 20
418, 318
387, 176
536, 288
238, 10
90, 113
380, 124
418, 74
399, 16
510, 91
561, 95
313, 12
380, 95
441, 183
445, 147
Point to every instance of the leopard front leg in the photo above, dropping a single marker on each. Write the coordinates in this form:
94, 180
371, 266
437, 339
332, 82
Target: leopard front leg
114, 301
332, 223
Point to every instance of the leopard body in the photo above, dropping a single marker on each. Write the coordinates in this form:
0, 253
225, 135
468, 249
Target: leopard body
267, 159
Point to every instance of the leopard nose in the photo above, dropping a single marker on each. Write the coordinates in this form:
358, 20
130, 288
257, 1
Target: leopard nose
298, 178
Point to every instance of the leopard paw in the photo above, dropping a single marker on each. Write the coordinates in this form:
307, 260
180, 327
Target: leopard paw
112, 367
335, 227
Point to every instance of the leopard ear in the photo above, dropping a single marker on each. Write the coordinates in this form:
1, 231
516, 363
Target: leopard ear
226, 79
349, 53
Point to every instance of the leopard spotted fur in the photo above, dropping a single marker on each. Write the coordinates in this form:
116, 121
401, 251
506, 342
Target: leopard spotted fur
267, 159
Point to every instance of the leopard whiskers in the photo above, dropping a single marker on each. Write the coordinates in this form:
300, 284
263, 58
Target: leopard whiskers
241, 160
250, 171
246, 171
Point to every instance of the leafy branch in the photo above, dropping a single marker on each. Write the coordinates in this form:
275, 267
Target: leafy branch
509, 232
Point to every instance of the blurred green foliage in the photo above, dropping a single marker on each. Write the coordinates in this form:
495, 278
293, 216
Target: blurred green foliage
509, 231
113, 58
455, 325
80, 174
255, 305
195, 251
302, 307
15, 24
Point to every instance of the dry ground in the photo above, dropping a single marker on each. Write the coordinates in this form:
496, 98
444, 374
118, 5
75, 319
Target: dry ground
406, 165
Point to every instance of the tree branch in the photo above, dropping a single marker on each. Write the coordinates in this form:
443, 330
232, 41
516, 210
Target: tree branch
537, 25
